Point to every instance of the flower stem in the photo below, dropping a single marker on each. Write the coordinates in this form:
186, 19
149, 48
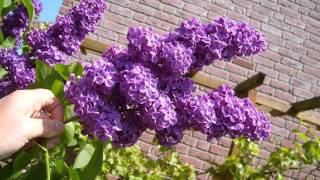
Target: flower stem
73, 118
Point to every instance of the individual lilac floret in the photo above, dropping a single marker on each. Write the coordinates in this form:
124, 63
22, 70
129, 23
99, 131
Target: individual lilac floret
236, 117
176, 58
160, 114
100, 118
15, 22
199, 112
103, 75
132, 129
170, 136
178, 87
117, 56
139, 85
144, 44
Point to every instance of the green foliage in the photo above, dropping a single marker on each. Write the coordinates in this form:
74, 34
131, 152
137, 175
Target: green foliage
238, 165
29, 5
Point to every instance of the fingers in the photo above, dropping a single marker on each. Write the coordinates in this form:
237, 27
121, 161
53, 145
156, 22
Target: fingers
46, 128
39, 99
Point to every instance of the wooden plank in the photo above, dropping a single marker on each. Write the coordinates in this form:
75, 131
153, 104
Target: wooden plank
244, 87
305, 105
94, 45
270, 101
206, 80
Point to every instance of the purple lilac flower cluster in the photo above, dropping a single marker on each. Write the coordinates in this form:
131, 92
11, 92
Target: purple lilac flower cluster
149, 85
53, 46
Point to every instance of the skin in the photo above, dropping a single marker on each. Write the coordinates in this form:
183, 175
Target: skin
29, 114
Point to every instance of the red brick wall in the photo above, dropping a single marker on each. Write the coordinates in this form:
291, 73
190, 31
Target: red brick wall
292, 62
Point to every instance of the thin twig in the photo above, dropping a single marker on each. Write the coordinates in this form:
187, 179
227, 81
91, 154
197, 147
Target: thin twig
73, 118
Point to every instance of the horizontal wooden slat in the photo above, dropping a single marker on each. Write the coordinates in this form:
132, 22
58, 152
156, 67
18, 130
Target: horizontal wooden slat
94, 45
206, 80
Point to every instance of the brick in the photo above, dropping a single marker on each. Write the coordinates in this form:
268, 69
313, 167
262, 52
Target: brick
289, 12
169, 9
268, 71
202, 176
195, 9
175, 3
255, 23
296, 47
271, 29
236, 78
184, 14
270, 5
115, 27
314, 15
295, 22
306, 77
236, 16
145, 147
280, 85
158, 23
314, 54
139, 17
236, 69
114, 17
226, 4
299, 32
203, 145
243, 3
312, 29
302, 93
311, 45
284, 77
152, 3
202, 155
279, 17
268, 146
289, 53
142, 9
166, 17
303, 10
288, 4
121, 11
215, 9
307, 4
219, 150
280, 122
311, 21
264, 154
123, 3
148, 138
218, 72
263, 10
271, 55
199, 135
284, 69
258, 16
285, 96
287, 143
243, 63
225, 142
293, 38
188, 140
299, 83
291, 63
312, 71
182, 148
275, 39
266, 89
264, 61
279, 24
192, 161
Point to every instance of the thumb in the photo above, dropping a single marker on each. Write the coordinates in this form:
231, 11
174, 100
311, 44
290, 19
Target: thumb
45, 128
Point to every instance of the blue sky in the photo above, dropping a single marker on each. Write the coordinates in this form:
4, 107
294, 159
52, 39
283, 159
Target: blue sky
50, 10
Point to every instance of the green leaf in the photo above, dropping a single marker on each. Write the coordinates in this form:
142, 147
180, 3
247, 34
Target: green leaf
61, 166
303, 136
6, 171
38, 171
84, 157
49, 78
3, 72
1, 34
7, 6
73, 173
94, 167
21, 161
9, 42
29, 5
68, 134
66, 70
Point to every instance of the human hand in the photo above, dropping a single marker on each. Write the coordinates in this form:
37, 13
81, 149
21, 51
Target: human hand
28, 114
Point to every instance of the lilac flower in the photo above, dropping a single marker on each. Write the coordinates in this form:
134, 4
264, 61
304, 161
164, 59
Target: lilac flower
160, 114
132, 129
177, 87
144, 44
176, 58
117, 56
37, 6
15, 22
170, 136
100, 118
6, 86
103, 75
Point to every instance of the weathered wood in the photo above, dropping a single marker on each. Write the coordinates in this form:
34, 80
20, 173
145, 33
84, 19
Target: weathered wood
94, 45
304, 105
244, 87
206, 80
